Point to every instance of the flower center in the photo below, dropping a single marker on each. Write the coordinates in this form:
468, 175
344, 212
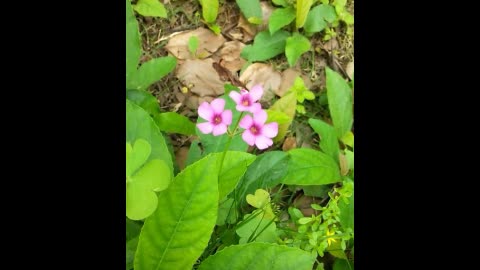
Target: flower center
254, 130
217, 119
245, 102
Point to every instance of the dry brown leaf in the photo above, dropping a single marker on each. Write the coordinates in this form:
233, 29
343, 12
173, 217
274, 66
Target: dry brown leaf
303, 203
343, 164
201, 76
250, 30
181, 157
267, 10
229, 54
288, 78
208, 43
289, 143
331, 45
263, 74
349, 70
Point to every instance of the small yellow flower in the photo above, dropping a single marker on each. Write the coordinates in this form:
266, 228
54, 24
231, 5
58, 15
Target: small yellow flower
329, 239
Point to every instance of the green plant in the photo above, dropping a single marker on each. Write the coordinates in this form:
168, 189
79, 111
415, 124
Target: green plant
209, 13
152, 8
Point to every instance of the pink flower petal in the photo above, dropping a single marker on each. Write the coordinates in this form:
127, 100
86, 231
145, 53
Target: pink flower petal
219, 129
243, 92
260, 117
218, 105
248, 137
263, 142
270, 130
205, 111
227, 117
256, 92
205, 128
242, 108
235, 96
255, 107
246, 122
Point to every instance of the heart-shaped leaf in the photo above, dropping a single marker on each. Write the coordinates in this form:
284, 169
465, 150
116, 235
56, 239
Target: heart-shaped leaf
260, 199
137, 155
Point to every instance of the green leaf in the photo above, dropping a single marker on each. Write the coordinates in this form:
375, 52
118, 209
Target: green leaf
350, 159
279, 18
328, 138
145, 100
348, 138
150, 8
341, 264
336, 250
193, 44
265, 172
133, 41
303, 7
318, 17
154, 175
282, 3
340, 102
226, 212
251, 9
259, 256
173, 122
347, 212
277, 116
141, 126
265, 46
209, 10
136, 155
311, 167
234, 167
287, 105
195, 152
259, 228
133, 229
296, 45
150, 72
260, 199
215, 28
177, 233
316, 191
131, 247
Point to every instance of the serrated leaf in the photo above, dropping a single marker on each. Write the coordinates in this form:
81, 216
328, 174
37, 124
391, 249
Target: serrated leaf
311, 167
328, 138
303, 7
251, 9
150, 72
340, 102
151, 8
259, 256
145, 100
133, 41
265, 46
295, 46
279, 18
287, 105
209, 10
175, 235
173, 122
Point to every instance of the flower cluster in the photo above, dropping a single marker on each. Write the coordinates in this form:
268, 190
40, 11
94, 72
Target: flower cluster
255, 130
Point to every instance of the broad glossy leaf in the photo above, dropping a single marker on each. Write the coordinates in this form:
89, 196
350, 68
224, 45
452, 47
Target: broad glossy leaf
287, 105
145, 100
311, 167
133, 41
251, 9
234, 167
279, 18
265, 46
259, 256
328, 138
209, 10
173, 122
177, 233
151, 8
150, 72
340, 102
303, 7
296, 45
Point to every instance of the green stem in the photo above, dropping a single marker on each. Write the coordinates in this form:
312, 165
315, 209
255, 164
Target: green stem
230, 137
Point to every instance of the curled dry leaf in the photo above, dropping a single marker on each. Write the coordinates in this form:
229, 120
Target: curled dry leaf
263, 74
229, 54
288, 78
208, 43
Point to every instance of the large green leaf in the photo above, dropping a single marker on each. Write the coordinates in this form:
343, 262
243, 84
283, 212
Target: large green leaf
311, 167
259, 256
133, 229
287, 105
133, 41
303, 7
145, 100
209, 10
265, 172
340, 102
131, 247
296, 45
318, 17
234, 167
150, 72
176, 234
265, 46
141, 126
151, 8
328, 138
175, 123
279, 18
251, 9
341, 264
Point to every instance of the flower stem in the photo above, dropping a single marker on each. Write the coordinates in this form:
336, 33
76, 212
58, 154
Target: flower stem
230, 137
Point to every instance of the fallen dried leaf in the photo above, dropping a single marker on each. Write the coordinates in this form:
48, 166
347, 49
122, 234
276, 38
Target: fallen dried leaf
201, 75
250, 30
288, 78
289, 143
303, 203
181, 157
331, 45
208, 43
230, 56
263, 74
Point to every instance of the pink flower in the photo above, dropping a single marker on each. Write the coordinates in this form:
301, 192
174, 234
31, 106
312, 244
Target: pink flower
246, 101
217, 118
256, 131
